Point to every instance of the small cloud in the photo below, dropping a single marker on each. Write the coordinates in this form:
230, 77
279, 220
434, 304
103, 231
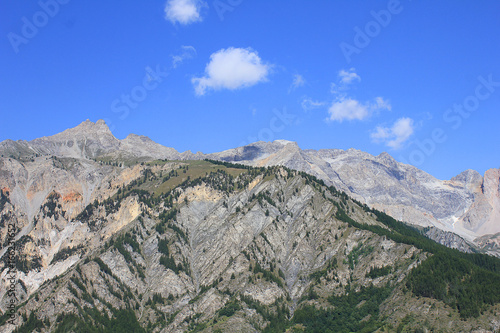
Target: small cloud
187, 52
347, 109
308, 104
298, 81
380, 133
351, 109
348, 76
334, 89
395, 136
381, 104
345, 79
232, 68
183, 11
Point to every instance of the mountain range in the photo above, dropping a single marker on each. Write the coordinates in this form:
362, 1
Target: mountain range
467, 206
109, 235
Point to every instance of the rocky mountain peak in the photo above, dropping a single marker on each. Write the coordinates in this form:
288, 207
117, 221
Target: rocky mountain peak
285, 142
89, 129
470, 179
387, 159
137, 138
88, 139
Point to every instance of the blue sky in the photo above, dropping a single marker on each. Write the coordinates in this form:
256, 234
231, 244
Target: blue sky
418, 79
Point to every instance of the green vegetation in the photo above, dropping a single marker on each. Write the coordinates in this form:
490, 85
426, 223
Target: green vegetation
165, 217
102, 266
457, 282
352, 312
264, 196
123, 320
376, 272
111, 206
268, 275
32, 324
25, 264
358, 251
3, 200
178, 231
277, 314
168, 221
156, 299
169, 263
193, 170
230, 165
229, 309
120, 242
163, 247
87, 213
65, 253
331, 265
49, 207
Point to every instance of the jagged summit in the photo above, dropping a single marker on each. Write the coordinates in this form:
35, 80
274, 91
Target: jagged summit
88, 129
87, 140
285, 142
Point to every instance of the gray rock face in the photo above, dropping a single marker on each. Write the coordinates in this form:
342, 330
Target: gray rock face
89, 141
468, 204
449, 239
179, 244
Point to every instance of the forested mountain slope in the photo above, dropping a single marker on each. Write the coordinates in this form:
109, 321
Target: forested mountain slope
208, 246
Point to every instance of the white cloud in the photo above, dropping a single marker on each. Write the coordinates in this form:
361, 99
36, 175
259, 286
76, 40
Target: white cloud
183, 11
347, 109
187, 52
334, 89
396, 135
298, 81
345, 79
348, 76
351, 109
309, 104
380, 134
232, 68
380, 104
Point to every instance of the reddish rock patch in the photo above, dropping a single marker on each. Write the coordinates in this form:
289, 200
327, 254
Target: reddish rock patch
72, 197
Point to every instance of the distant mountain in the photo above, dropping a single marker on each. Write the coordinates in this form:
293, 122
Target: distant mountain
89, 140
468, 204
